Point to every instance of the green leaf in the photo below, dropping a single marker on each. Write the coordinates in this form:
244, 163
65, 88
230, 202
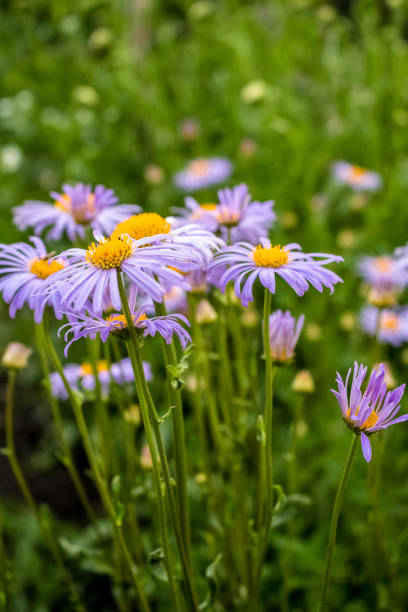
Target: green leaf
155, 562
212, 583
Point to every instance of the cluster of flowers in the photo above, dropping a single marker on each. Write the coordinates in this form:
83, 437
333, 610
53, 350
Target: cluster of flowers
385, 278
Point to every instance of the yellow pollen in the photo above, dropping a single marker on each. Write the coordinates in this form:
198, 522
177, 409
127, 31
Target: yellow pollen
43, 268
382, 264
389, 321
87, 370
118, 318
142, 226
356, 173
199, 167
109, 252
270, 257
369, 422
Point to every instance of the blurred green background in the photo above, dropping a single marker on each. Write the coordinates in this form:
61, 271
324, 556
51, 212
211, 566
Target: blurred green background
100, 92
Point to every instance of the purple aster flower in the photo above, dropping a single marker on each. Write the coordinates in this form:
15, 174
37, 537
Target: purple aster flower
24, 270
92, 273
356, 177
284, 332
243, 263
198, 241
73, 210
90, 325
203, 172
384, 270
87, 378
390, 325
72, 373
122, 371
371, 411
235, 217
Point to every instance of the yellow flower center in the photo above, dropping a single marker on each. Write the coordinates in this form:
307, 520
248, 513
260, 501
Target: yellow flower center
43, 268
87, 370
209, 206
121, 319
82, 213
270, 257
382, 264
369, 422
109, 252
142, 226
389, 321
227, 217
356, 173
199, 167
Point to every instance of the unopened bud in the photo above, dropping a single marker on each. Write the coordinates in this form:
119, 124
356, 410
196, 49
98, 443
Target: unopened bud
348, 320
189, 130
154, 174
247, 147
16, 355
132, 415
250, 317
383, 297
303, 382
313, 332
205, 312
146, 458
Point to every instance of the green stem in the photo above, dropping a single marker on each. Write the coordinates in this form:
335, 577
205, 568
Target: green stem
335, 518
99, 481
150, 419
58, 424
265, 476
15, 466
170, 359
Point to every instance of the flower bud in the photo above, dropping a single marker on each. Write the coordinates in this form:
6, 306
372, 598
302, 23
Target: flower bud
154, 174
189, 130
16, 355
146, 458
303, 382
348, 321
205, 312
132, 415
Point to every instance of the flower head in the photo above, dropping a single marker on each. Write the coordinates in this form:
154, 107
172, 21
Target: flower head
92, 274
284, 332
203, 172
356, 177
235, 217
16, 355
248, 262
90, 325
122, 371
369, 411
390, 325
77, 207
192, 242
25, 270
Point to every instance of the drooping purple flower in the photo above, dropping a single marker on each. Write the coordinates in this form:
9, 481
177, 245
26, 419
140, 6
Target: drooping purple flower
390, 325
24, 271
203, 172
122, 371
92, 273
356, 177
284, 332
236, 218
244, 263
72, 372
90, 325
73, 210
371, 411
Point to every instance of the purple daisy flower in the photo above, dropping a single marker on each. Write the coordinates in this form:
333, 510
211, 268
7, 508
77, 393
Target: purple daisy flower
24, 271
284, 332
191, 237
235, 217
356, 177
390, 325
244, 263
371, 411
72, 373
76, 208
92, 273
90, 325
122, 371
203, 172
384, 270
